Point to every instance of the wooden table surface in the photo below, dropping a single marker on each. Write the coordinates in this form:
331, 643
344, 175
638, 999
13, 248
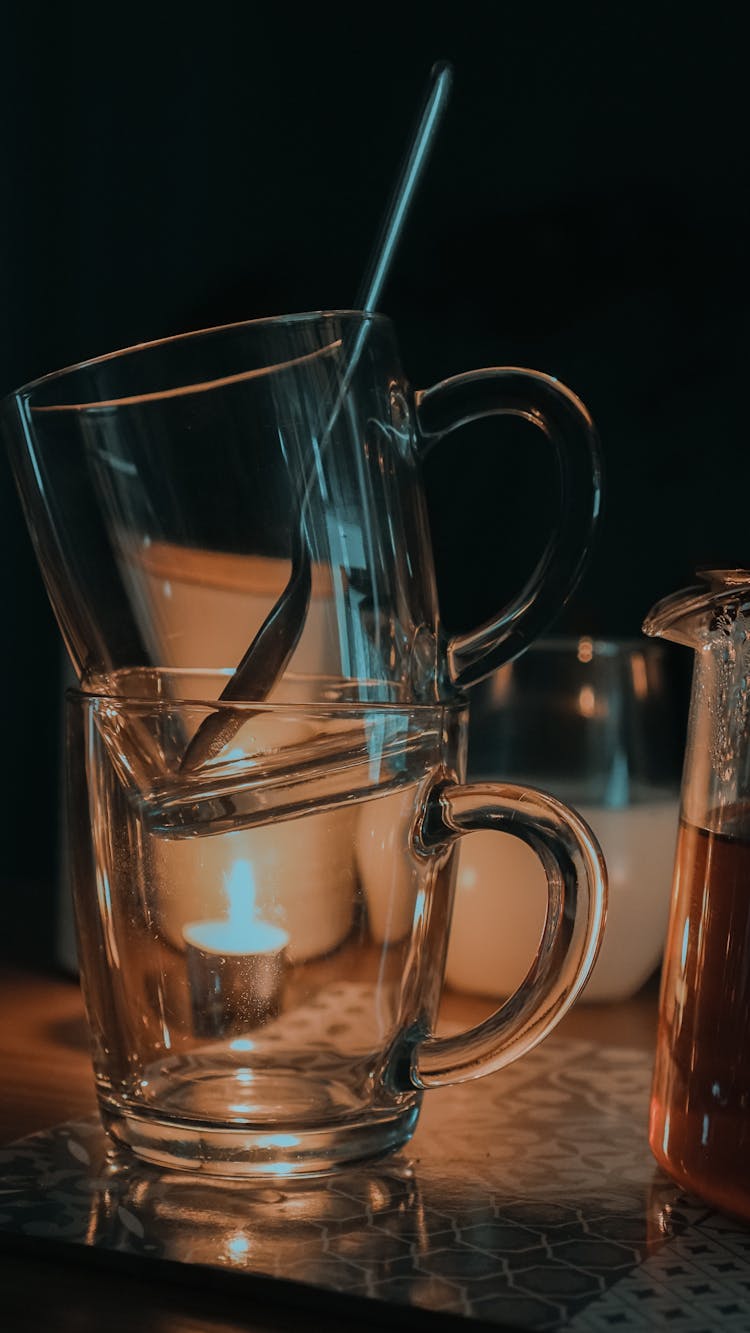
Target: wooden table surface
46, 1078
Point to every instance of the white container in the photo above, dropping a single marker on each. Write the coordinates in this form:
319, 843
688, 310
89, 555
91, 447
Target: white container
501, 898
597, 723
202, 608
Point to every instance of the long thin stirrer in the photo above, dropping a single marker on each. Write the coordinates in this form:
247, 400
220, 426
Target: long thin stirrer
441, 78
268, 655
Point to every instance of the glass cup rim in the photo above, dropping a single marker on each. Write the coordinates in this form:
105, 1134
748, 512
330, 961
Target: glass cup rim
100, 694
24, 391
600, 646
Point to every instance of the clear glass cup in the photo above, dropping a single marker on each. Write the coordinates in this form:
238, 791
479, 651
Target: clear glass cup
262, 939
175, 490
595, 722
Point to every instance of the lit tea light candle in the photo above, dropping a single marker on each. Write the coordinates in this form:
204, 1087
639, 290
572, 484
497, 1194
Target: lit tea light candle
303, 870
236, 963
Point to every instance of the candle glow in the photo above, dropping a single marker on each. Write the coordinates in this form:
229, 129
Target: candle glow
241, 931
235, 966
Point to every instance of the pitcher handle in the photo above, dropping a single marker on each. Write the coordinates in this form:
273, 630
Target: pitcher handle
563, 418
572, 933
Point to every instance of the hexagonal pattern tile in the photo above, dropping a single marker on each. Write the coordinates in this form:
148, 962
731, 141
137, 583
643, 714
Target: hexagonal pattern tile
528, 1199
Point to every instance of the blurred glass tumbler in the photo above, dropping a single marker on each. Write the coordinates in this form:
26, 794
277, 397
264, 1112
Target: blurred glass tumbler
593, 722
225, 1040
166, 487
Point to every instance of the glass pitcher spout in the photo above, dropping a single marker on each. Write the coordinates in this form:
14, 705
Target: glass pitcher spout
694, 614
715, 622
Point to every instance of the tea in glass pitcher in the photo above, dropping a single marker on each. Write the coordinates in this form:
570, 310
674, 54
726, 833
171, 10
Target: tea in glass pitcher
700, 1107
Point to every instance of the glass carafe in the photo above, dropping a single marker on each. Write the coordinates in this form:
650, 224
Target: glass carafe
700, 1105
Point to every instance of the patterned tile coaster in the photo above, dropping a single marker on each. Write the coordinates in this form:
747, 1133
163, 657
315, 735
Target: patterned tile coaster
526, 1200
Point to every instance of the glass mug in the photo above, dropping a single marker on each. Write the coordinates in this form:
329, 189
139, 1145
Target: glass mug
175, 490
262, 946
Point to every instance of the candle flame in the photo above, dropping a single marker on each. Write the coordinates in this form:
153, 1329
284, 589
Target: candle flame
245, 922
242, 930
239, 887
587, 701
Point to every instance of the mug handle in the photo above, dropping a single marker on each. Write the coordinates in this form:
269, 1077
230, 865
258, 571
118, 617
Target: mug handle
548, 404
573, 927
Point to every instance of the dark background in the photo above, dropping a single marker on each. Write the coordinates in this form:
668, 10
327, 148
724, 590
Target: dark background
585, 213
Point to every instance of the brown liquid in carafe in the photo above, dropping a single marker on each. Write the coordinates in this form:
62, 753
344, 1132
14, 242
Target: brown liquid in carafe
700, 1106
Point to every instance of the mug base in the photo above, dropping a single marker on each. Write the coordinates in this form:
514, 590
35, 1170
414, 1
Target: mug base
271, 1149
